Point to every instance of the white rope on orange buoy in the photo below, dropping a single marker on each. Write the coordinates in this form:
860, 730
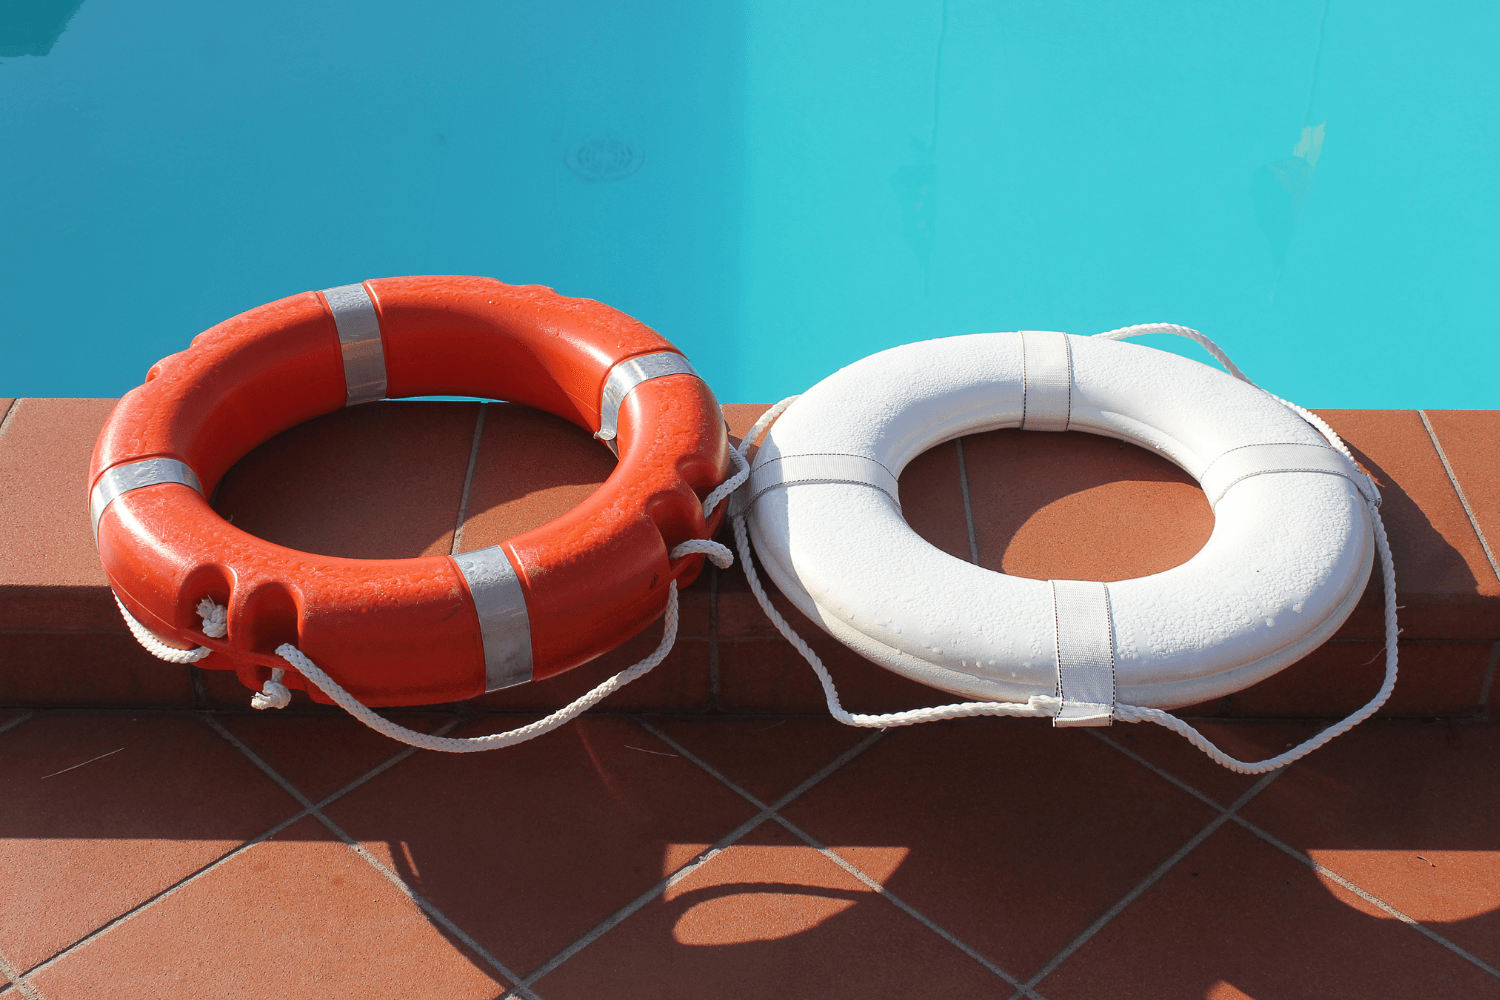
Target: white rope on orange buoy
275, 694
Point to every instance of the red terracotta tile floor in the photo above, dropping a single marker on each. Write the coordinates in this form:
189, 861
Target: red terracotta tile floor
227, 854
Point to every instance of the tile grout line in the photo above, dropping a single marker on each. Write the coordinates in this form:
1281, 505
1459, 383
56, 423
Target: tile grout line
612, 921
713, 639
426, 905
254, 758
963, 486
385, 765
834, 856
1158, 771
1306, 859
463, 502
903, 906
315, 810
169, 891
25, 716
380, 768
309, 809
1150, 880
1368, 897
781, 803
200, 692
60, 631
1452, 478
765, 812
17, 980
10, 413
1489, 681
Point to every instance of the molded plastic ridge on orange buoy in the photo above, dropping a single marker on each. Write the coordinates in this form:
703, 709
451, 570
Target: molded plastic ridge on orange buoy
409, 631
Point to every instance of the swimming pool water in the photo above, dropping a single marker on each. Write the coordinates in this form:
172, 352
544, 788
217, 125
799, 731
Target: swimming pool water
779, 187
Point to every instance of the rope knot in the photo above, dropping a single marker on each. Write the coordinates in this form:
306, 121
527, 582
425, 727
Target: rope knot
215, 618
274, 694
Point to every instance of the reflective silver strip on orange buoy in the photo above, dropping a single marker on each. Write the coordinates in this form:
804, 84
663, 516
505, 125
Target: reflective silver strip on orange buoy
134, 476
504, 625
359, 341
624, 377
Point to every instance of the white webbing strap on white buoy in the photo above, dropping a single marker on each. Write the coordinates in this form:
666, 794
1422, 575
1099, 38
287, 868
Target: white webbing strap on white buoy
1047, 381
275, 694
786, 470
1085, 653
1092, 653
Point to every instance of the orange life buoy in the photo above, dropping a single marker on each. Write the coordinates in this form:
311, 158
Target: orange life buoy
409, 631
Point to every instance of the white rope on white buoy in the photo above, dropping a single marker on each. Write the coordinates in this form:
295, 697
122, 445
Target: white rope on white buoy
1041, 705
275, 694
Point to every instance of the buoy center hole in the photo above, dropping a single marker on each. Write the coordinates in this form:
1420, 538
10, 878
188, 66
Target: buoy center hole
405, 478
1049, 506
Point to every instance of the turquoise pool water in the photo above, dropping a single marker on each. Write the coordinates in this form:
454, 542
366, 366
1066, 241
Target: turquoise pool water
779, 187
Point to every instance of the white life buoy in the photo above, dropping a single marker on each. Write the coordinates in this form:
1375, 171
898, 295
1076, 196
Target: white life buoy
1290, 553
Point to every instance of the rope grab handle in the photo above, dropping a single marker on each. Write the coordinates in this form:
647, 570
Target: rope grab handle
276, 695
